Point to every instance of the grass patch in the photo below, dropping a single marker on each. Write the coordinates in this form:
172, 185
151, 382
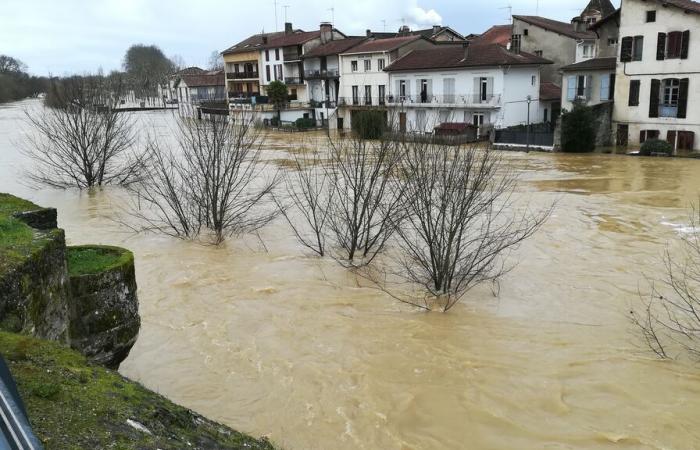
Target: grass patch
92, 259
16, 237
75, 405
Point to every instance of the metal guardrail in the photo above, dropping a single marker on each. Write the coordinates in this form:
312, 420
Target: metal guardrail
16, 433
242, 75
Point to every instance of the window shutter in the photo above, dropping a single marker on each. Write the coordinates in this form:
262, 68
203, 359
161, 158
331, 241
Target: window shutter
612, 87
634, 93
604, 88
686, 140
489, 87
675, 39
683, 98
477, 89
661, 47
685, 44
626, 49
638, 48
671, 138
654, 93
571, 88
588, 91
642, 136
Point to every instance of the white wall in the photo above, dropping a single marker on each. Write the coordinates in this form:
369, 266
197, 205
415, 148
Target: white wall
633, 23
596, 77
362, 78
518, 84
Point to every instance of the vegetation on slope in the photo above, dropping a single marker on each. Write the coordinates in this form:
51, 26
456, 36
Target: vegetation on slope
75, 405
16, 238
92, 259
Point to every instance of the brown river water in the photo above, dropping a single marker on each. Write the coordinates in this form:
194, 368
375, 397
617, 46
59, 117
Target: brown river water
273, 342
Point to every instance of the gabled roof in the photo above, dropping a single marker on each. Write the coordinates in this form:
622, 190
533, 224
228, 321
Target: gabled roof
604, 6
295, 38
334, 47
215, 78
593, 64
563, 28
497, 34
253, 43
452, 57
190, 71
549, 91
433, 32
383, 45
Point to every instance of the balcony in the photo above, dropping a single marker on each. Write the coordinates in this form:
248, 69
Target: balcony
455, 100
291, 55
293, 80
668, 111
362, 101
242, 96
321, 74
242, 76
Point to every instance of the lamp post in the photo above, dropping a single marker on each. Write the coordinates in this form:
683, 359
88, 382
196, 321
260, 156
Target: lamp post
527, 139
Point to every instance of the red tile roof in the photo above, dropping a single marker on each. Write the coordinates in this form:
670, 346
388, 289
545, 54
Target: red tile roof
252, 43
383, 45
334, 47
479, 55
549, 91
497, 34
215, 78
563, 28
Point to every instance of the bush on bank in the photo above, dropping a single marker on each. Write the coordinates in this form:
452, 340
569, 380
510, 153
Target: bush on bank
656, 146
369, 124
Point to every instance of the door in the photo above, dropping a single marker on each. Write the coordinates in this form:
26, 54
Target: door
402, 122
622, 135
423, 91
478, 122
339, 123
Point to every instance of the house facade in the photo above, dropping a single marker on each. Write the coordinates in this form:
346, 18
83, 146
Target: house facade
363, 81
197, 90
485, 85
658, 73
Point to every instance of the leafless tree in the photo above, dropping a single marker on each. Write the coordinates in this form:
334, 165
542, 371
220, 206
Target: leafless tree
461, 221
669, 317
211, 180
80, 139
347, 197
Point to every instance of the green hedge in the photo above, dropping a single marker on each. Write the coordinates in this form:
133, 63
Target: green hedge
369, 124
577, 134
655, 146
305, 123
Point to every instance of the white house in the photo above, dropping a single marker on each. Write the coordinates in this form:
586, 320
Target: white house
196, 90
363, 81
482, 84
658, 74
322, 75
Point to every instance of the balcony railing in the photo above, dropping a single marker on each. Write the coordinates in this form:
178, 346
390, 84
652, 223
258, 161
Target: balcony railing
445, 100
293, 80
321, 74
291, 55
363, 101
243, 95
242, 75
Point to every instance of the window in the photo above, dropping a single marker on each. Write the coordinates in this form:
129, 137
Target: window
267, 55
538, 53
546, 116
368, 95
525, 32
382, 93
355, 95
380, 64
587, 51
483, 89
651, 16
533, 81
402, 89
591, 20
277, 54
632, 48
607, 88
515, 43
368, 65
612, 42
267, 73
353, 66
578, 86
634, 93
673, 45
424, 91
668, 98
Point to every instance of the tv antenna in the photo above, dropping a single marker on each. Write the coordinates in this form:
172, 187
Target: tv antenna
384, 25
510, 12
286, 7
332, 10
276, 24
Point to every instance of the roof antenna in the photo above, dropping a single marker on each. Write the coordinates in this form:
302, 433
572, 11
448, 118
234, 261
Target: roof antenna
510, 12
537, 8
276, 25
286, 7
384, 25
332, 10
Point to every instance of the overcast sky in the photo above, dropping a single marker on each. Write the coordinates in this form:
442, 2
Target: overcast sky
62, 37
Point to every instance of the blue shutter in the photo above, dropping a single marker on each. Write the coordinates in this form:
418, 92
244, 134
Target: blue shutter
604, 88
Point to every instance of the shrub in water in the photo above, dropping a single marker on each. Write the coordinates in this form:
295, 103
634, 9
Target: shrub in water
305, 123
652, 146
369, 124
577, 134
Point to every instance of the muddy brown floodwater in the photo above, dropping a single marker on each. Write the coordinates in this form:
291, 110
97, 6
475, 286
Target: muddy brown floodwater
285, 345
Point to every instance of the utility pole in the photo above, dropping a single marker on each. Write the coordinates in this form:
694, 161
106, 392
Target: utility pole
332, 10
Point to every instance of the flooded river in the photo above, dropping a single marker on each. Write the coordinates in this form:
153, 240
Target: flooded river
276, 343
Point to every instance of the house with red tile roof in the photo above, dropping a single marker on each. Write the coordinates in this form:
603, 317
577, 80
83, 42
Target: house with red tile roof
485, 85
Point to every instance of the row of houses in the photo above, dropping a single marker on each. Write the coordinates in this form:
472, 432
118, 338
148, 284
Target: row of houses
635, 64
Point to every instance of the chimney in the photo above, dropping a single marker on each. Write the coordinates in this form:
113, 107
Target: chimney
465, 46
288, 28
436, 29
326, 32
264, 39
369, 32
404, 30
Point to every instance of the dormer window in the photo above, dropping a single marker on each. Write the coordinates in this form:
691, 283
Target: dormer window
651, 16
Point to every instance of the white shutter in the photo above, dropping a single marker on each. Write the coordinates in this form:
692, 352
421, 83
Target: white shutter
605, 87
571, 88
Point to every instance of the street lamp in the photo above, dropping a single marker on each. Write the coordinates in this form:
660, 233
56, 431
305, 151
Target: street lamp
527, 139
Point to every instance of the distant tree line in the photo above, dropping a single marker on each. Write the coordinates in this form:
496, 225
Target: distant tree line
16, 83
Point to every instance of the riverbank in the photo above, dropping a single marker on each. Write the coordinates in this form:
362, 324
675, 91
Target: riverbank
73, 404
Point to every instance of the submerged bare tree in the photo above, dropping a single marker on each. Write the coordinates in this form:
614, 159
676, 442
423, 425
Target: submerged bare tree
461, 221
349, 203
669, 317
80, 140
211, 180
